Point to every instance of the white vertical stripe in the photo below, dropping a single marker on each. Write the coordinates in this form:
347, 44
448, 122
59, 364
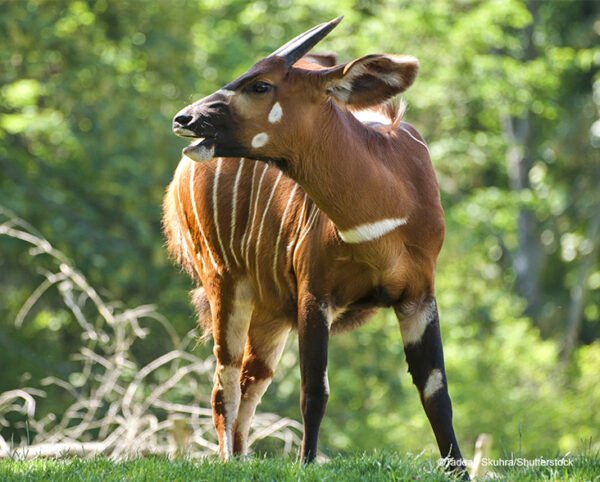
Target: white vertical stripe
181, 239
187, 230
288, 251
249, 208
293, 240
254, 210
260, 230
216, 210
276, 252
192, 173
419, 141
309, 223
233, 209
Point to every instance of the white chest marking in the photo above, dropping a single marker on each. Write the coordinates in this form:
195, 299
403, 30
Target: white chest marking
371, 231
260, 140
276, 113
435, 381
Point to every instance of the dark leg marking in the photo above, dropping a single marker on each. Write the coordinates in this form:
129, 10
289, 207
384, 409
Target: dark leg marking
426, 365
313, 339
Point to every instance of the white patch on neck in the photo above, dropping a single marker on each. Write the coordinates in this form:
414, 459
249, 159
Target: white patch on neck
276, 113
260, 140
371, 231
435, 382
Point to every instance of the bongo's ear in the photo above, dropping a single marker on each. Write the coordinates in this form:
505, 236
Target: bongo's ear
371, 80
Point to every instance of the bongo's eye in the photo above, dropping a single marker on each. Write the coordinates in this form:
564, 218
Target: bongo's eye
260, 87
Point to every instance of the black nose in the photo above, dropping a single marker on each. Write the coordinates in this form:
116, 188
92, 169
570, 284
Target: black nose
183, 120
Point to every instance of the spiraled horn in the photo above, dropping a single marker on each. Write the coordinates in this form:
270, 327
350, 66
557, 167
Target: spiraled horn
296, 48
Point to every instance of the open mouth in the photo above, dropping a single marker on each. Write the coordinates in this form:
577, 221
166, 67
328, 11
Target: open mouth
201, 150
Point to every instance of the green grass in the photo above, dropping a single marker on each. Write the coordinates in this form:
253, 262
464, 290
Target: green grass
370, 467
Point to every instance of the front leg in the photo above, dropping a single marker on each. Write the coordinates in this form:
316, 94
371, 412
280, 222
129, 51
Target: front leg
314, 320
231, 307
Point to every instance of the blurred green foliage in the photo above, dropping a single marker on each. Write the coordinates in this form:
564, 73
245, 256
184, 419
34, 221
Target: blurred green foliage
508, 98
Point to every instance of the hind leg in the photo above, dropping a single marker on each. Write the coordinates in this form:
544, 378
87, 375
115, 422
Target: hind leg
266, 339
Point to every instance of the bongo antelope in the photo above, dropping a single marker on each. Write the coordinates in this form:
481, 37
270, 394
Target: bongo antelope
341, 217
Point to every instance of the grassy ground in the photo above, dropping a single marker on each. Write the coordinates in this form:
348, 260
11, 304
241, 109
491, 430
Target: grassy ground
374, 467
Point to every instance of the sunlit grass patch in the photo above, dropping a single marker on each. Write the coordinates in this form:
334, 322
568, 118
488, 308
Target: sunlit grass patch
376, 466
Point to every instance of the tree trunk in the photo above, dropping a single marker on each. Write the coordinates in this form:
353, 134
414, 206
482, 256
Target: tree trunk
527, 261
578, 296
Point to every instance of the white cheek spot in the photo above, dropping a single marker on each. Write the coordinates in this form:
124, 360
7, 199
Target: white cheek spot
434, 383
260, 140
276, 113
